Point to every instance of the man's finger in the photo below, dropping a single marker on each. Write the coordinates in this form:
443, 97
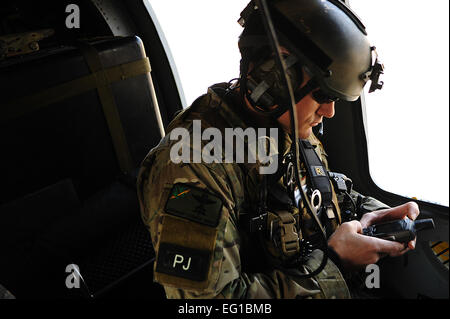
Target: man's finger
354, 226
387, 246
412, 244
367, 220
410, 209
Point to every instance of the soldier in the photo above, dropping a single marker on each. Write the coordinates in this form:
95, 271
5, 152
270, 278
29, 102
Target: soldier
223, 229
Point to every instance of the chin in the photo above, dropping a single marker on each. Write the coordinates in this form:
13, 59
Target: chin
304, 134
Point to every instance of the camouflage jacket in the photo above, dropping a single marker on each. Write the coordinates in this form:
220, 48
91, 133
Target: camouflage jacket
194, 212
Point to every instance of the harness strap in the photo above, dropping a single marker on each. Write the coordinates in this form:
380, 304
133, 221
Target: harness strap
299, 95
266, 84
316, 172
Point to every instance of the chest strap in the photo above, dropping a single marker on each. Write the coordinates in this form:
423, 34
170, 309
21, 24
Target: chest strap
316, 173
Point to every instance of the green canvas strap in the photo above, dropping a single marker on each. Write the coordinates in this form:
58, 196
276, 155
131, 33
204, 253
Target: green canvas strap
24, 105
101, 78
109, 106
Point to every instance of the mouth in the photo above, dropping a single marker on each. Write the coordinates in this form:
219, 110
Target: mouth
315, 124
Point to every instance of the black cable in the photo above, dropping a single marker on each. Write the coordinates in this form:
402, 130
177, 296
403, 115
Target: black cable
352, 201
268, 24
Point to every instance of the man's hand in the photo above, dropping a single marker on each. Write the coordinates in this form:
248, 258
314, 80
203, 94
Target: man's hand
357, 250
410, 210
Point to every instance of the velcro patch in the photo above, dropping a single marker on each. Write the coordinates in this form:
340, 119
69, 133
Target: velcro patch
185, 254
194, 204
183, 262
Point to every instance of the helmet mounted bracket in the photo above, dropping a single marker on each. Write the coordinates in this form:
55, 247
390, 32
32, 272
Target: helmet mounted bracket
376, 70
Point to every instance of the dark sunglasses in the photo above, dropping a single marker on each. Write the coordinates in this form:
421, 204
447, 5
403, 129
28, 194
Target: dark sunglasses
322, 98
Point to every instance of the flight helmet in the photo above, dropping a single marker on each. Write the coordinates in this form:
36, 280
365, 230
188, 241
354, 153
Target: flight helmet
323, 37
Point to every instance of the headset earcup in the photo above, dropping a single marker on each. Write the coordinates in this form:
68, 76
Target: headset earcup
265, 85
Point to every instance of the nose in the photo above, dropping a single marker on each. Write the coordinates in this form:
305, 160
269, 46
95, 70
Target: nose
326, 110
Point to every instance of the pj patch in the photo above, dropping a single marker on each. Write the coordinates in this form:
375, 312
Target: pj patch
183, 262
194, 204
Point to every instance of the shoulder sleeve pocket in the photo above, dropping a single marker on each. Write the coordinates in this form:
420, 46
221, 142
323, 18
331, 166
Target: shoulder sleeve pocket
185, 254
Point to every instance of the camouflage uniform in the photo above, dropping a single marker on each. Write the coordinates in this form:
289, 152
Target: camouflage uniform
194, 213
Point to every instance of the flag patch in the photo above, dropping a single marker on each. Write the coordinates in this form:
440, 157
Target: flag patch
194, 204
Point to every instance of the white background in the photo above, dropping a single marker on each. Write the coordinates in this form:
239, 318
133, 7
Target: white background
408, 126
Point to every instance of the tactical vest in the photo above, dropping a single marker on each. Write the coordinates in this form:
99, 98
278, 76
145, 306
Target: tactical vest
286, 226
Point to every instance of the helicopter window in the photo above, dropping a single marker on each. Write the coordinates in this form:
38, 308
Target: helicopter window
202, 36
407, 120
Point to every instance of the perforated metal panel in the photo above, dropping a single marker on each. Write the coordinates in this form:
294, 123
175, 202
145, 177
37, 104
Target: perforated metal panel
129, 251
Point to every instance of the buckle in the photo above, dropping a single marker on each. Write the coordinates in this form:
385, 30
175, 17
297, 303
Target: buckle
287, 234
258, 223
